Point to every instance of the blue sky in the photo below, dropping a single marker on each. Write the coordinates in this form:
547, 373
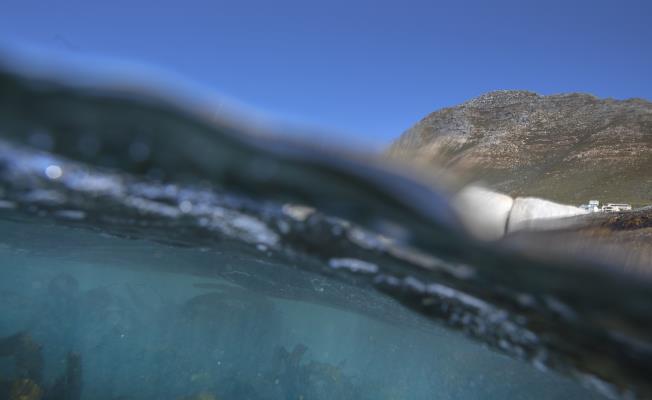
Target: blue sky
366, 70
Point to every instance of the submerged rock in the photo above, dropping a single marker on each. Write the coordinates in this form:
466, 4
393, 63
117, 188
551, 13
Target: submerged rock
25, 389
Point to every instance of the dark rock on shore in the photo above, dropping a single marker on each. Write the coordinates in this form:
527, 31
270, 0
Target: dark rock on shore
625, 238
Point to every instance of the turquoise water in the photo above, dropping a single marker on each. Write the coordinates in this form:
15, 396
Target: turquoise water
152, 247
147, 328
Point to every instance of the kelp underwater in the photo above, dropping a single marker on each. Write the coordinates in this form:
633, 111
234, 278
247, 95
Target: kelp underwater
144, 328
106, 318
152, 249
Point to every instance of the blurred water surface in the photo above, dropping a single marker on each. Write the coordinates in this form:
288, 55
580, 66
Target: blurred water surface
152, 248
151, 321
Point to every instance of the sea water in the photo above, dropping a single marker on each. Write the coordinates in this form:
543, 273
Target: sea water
152, 248
152, 321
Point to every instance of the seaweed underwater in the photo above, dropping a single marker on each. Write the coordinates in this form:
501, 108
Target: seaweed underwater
154, 248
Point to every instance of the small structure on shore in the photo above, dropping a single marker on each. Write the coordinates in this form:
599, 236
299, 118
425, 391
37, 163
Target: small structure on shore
617, 207
594, 206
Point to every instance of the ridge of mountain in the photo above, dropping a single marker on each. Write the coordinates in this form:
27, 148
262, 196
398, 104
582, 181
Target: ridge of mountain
565, 147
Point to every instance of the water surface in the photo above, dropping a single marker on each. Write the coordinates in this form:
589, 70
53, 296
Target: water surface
155, 248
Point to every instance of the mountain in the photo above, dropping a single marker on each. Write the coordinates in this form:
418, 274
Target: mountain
567, 147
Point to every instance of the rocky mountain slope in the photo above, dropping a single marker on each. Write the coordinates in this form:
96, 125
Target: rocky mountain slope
568, 148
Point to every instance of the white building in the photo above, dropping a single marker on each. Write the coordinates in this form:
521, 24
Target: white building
593, 206
617, 207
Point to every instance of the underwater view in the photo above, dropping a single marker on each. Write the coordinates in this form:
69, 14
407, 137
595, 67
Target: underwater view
89, 316
155, 246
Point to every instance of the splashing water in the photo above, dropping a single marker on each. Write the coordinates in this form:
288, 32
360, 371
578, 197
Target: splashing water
153, 250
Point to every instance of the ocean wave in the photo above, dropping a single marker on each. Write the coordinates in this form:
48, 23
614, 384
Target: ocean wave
126, 159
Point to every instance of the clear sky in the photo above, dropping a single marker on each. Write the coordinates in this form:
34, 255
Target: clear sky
369, 69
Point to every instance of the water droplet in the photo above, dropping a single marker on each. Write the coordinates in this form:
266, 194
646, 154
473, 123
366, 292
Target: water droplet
185, 206
53, 171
